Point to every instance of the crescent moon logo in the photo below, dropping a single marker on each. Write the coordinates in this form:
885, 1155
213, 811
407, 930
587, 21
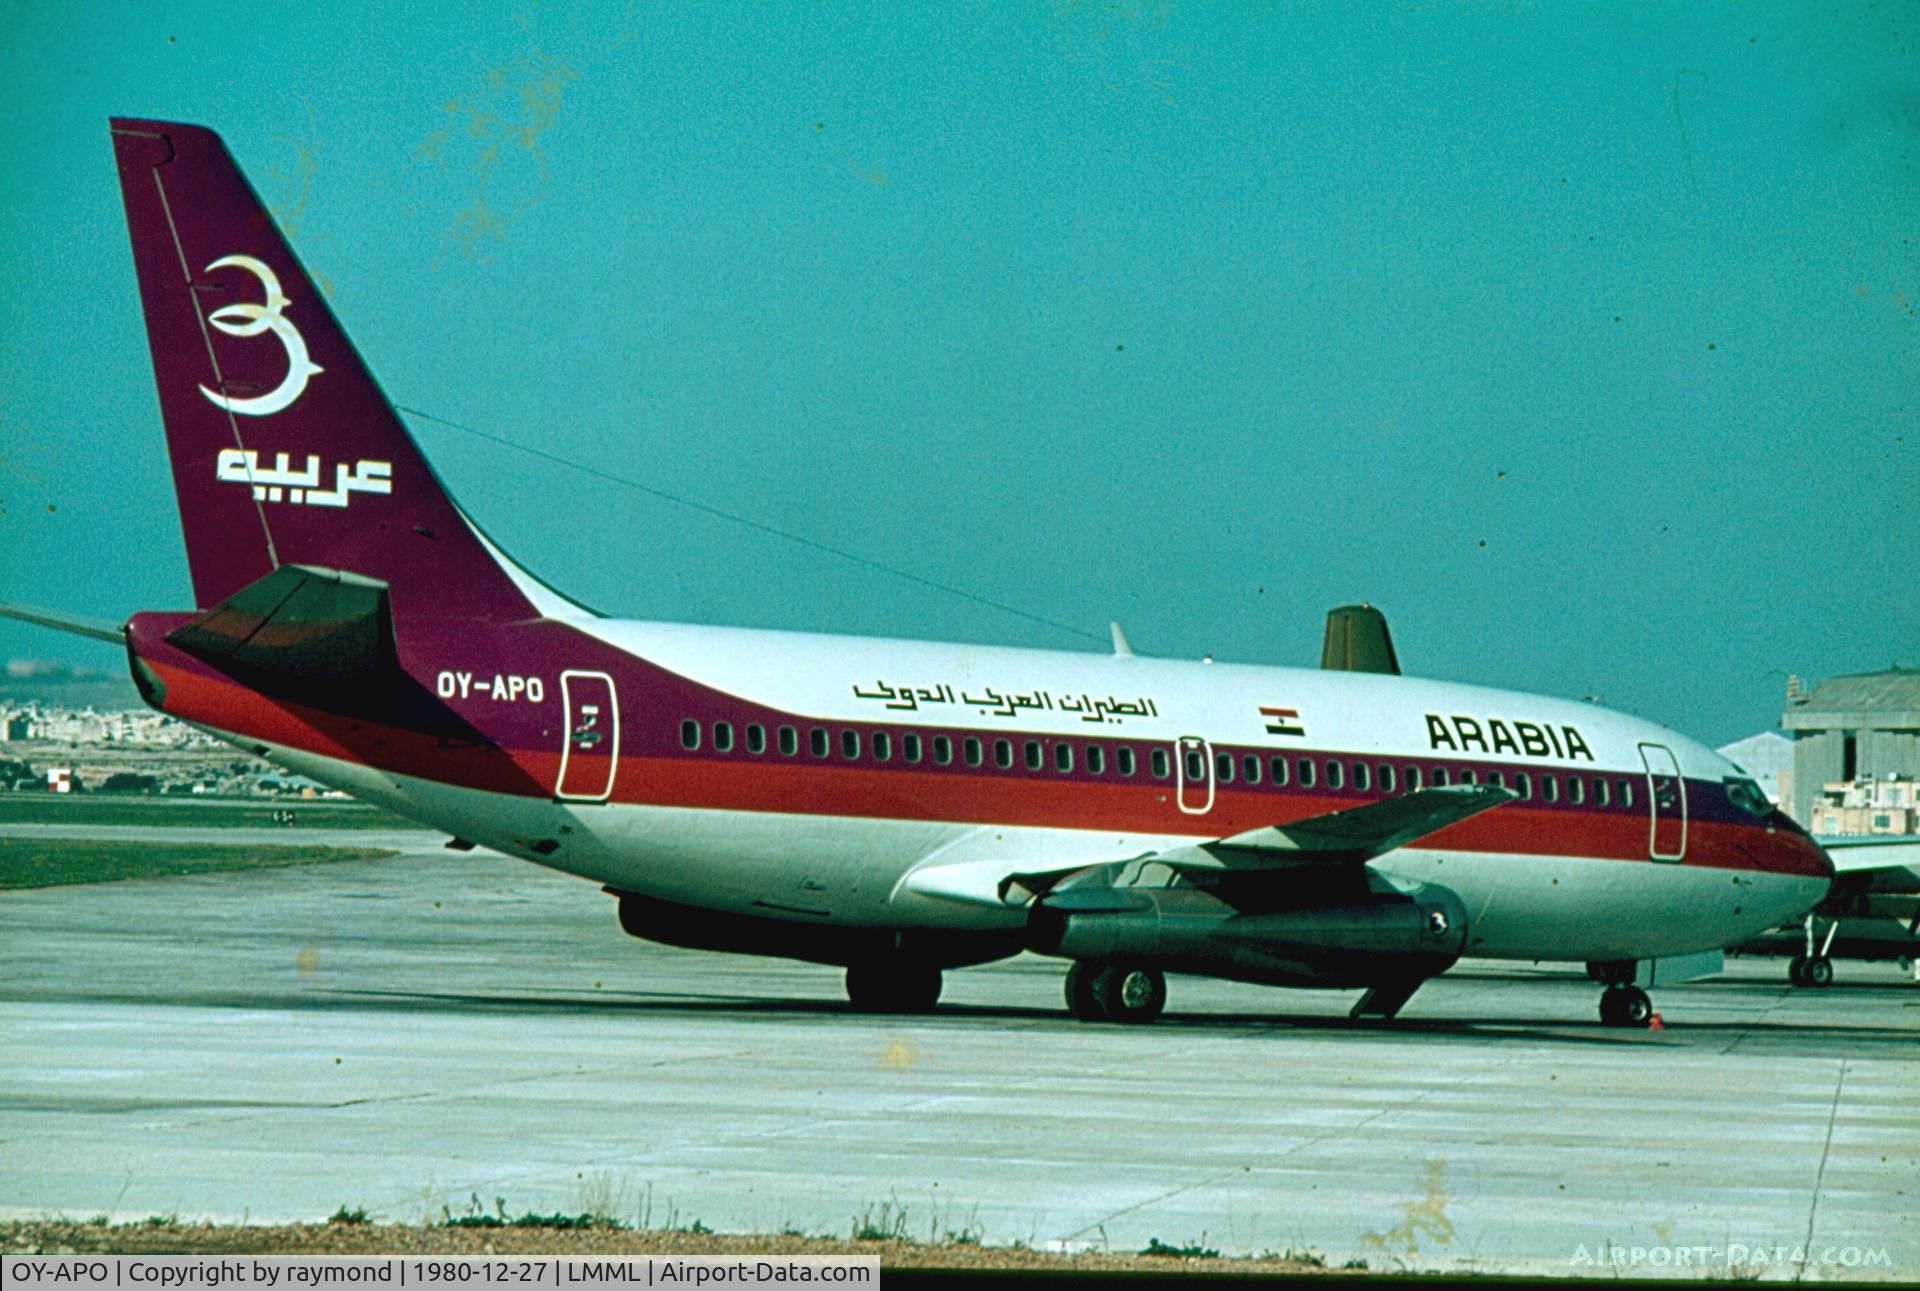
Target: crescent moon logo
253, 320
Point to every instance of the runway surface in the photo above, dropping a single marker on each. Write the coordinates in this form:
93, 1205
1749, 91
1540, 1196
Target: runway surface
434, 1029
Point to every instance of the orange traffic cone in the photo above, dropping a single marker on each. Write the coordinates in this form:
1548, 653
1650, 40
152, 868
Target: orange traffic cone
1655, 1024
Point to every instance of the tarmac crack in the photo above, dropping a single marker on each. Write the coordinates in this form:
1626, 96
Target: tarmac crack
1826, 1150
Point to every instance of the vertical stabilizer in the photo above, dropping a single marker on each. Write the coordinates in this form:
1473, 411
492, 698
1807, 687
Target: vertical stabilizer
284, 449
1357, 641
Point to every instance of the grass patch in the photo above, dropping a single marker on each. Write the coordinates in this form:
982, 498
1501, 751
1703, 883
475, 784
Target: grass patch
1193, 1251
58, 862
192, 813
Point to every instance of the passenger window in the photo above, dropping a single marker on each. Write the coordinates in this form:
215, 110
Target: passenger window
1123, 759
689, 734
1466, 777
1223, 767
942, 749
1035, 759
756, 738
1336, 775
1159, 762
850, 744
910, 748
1602, 791
1306, 773
1096, 759
1549, 788
1250, 768
1413, 779
1278, 766
1626, 793
1003, 753
972, 748
882, 746
817, 741
1361, 777
789, 741
1497, 780
1196, 767
1386, 778
1063, 756
1523, 783
723, 737
1576, 789
1440, 778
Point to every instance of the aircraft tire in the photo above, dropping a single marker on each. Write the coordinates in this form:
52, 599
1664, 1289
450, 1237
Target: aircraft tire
1625, 1006
1818, 972
1797, 970
1081, 1001
1130, 993
887, 987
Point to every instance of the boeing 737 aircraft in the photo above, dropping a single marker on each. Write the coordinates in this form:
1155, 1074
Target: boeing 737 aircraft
894, 807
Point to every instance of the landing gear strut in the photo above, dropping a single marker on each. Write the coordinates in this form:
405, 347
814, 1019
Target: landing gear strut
1625, 1006
891, 987
1115, 992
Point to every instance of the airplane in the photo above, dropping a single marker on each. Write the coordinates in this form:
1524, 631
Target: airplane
1876, 895
897, 808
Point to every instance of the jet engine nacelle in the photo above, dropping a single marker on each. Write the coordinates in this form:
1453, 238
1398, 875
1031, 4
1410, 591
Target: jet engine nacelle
1360, 941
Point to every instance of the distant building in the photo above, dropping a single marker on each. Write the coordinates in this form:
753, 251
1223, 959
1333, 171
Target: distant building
1767, 757
1852, 733
1870, 807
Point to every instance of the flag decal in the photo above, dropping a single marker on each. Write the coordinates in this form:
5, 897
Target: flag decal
1283, 721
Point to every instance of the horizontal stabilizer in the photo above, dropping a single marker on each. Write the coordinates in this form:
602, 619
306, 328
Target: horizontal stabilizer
60, 621
300, 621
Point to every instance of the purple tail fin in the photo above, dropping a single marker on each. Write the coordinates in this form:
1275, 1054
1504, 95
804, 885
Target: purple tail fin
284, 449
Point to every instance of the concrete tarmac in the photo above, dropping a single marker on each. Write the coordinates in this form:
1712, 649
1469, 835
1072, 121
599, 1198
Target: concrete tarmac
438, 1031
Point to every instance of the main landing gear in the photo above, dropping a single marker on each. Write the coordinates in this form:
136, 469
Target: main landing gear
1622, 1004
1098, 992
885, 986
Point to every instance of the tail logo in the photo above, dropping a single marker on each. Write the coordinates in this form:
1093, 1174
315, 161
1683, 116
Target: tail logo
258, 319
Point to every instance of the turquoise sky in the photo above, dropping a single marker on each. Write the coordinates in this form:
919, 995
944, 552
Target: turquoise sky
1581, 339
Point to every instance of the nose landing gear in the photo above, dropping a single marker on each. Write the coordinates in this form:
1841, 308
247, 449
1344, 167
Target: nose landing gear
1622, 1004
1810, 970
1625, 1006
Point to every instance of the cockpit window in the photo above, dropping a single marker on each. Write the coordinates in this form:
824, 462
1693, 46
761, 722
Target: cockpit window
1748, 797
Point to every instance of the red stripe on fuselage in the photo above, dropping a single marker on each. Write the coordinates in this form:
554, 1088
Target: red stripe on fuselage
803, 785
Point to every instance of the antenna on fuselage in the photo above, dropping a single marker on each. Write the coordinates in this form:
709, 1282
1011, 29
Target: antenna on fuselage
1121, 649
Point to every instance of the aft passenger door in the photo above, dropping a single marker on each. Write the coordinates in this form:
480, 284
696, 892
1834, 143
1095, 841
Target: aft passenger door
1193, 775
590, 755
1667, 801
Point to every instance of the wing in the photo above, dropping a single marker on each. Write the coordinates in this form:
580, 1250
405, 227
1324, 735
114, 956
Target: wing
1339, 840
